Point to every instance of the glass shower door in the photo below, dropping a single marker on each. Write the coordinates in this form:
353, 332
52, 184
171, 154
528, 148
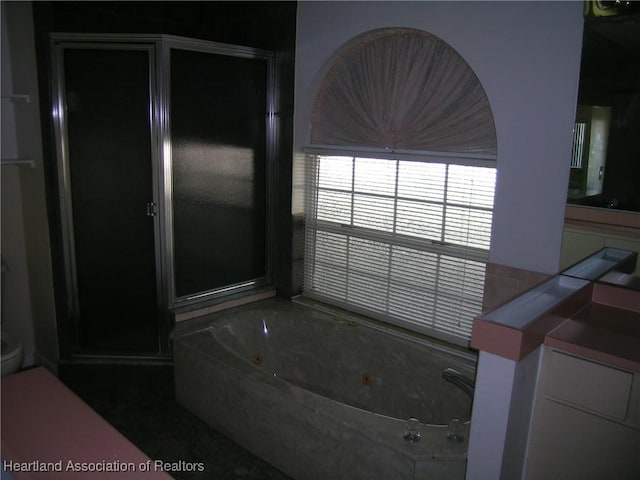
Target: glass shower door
219, 116
105, 100
165, 148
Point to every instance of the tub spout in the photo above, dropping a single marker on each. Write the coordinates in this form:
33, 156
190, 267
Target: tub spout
465, 384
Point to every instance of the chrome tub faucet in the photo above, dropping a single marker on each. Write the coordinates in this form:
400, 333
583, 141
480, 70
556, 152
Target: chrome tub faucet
464, 383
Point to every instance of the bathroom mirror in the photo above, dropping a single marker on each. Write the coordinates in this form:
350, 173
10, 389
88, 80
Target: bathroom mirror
605, 163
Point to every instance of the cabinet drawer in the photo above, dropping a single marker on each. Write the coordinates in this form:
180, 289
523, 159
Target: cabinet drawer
589, 385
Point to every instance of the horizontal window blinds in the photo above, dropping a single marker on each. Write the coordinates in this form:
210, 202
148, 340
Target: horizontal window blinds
404, 241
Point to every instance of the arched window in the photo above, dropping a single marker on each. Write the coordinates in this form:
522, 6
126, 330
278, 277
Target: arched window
403, 89
400, 187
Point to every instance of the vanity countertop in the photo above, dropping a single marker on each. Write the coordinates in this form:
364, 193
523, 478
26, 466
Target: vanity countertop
616, 344
607, 329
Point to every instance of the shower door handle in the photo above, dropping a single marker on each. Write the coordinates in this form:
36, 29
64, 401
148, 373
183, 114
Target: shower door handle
151, 209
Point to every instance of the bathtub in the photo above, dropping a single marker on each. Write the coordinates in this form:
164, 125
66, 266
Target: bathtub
321, 396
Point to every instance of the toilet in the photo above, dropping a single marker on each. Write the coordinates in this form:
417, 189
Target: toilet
12, 353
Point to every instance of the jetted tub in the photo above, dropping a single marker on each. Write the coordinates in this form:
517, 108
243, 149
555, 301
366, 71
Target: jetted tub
325, 397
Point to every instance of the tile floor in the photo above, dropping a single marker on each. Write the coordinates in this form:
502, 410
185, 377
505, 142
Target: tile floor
139, 401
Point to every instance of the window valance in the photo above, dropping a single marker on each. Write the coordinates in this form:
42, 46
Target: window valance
401, 88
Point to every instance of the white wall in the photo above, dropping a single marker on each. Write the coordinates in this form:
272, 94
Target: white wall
527, 57
28, 309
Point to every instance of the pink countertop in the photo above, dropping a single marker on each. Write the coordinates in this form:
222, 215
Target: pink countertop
600, 322
607, 329
50, 431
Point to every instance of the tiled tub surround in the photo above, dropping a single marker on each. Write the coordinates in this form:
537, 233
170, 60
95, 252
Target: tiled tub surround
319, 396
504, 283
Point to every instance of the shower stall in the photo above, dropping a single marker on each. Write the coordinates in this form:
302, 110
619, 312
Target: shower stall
164, 160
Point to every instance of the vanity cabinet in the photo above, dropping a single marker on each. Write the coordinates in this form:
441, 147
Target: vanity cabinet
585, 422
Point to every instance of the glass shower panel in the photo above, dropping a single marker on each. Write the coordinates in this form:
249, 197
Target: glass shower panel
218, 135
107, 94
